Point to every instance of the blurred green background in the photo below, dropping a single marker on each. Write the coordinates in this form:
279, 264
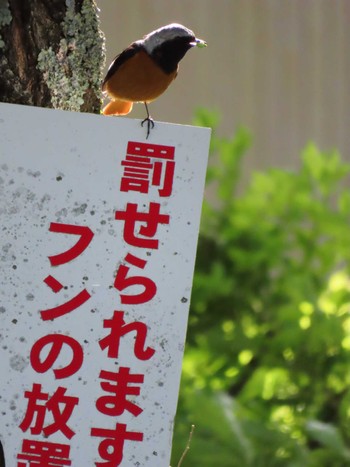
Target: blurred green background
266, 376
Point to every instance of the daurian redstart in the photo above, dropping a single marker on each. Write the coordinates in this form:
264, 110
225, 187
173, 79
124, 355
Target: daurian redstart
144, 70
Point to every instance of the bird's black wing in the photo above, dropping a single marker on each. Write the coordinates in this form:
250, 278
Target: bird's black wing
120, 59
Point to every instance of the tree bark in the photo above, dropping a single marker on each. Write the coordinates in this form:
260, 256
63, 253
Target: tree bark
51, 54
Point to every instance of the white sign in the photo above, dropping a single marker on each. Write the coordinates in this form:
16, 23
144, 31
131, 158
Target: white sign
99, 229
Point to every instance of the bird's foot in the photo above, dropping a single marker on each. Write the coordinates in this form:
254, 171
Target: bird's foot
150, 125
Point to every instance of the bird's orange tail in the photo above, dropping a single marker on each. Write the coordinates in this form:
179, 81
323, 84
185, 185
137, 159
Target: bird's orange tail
117, 107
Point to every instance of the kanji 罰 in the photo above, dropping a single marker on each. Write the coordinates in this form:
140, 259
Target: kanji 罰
148, 165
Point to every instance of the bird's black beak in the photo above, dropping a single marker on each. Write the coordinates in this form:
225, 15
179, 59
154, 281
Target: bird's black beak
198, 43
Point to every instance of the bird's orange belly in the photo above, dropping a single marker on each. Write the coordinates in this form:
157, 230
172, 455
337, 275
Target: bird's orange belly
138, 80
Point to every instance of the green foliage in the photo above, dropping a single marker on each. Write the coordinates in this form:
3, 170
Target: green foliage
266, 375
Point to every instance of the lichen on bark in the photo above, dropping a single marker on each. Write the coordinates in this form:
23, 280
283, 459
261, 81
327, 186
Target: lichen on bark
74, 69
5, 18
52, 54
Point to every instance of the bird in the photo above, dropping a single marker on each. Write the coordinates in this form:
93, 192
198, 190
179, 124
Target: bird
145, 69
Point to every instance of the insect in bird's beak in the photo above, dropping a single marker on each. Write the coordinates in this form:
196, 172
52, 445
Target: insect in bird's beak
198, 43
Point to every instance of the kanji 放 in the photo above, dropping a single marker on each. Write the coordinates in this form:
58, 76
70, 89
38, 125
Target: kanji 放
59, 405
120, 384
119, 328
122, 282
111, 448
56, 342
148, 165
43, 454
149, 224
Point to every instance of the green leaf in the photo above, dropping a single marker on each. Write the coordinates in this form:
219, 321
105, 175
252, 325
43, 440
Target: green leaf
329, 436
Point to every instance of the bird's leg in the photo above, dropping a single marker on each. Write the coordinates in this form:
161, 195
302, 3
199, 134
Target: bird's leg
149, 120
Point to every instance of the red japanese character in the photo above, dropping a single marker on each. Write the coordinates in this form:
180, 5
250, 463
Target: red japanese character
120, 387
118, 329
111, 448
60, 406
43, 454
85, 234
169, 170
34, 410
71, 305
122, 282
140, 171
56, 343
150, 221
158, 151
53, 283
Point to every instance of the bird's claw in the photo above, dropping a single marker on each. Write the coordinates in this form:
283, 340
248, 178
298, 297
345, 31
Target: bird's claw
150, 125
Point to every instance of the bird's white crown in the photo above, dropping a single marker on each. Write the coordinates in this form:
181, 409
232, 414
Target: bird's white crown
163, 34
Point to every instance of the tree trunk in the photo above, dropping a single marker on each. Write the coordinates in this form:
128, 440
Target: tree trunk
51, 54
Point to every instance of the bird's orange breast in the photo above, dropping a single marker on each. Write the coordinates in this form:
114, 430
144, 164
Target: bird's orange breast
138, 79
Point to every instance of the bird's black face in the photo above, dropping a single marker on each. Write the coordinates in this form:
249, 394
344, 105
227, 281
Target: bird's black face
169, 53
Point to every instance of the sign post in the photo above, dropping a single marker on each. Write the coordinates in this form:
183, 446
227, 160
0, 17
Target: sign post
99, 228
